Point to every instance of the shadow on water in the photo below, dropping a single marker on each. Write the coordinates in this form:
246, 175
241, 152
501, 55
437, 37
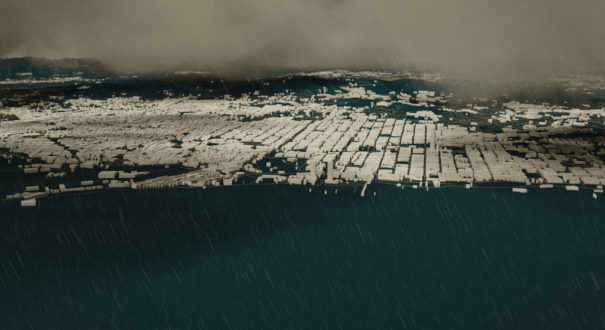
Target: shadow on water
126, 228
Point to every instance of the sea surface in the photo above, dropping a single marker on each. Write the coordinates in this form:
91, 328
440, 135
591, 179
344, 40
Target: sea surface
260, 257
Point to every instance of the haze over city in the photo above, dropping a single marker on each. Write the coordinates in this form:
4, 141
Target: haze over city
475, 38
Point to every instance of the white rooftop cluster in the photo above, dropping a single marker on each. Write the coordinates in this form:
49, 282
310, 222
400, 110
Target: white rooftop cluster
217, 142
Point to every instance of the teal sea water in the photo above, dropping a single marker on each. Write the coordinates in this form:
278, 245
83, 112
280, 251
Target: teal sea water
283, 257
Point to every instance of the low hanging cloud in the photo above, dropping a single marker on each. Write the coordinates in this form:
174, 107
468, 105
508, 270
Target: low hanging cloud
477, 38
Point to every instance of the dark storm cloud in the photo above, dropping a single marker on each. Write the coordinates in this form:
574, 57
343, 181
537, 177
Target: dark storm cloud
483, 38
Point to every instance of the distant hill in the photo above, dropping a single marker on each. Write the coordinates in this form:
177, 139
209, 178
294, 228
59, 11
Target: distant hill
16, 68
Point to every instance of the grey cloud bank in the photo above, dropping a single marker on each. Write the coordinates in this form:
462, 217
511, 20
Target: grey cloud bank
474, 38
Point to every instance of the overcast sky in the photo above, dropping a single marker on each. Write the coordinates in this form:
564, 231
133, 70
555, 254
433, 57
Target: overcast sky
479, 38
